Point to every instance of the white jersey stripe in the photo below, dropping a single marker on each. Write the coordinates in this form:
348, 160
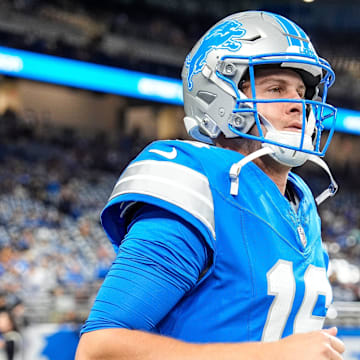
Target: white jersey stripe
174, 183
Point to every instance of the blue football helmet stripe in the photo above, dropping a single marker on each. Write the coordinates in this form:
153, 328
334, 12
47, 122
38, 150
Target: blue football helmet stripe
293, 30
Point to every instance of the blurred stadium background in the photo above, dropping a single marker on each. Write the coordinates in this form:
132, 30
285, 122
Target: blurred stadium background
84, 85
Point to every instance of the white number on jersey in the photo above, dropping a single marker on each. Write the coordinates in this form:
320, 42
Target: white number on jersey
281, 284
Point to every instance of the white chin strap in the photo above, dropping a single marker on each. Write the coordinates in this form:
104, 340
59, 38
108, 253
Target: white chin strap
285, 156
267, 150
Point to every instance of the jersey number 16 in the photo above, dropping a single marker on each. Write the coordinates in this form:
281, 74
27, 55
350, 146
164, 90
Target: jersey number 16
281, 284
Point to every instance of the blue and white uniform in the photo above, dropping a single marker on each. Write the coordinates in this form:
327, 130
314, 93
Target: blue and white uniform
228, 268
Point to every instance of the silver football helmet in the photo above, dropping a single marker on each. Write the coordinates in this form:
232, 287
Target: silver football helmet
232, 49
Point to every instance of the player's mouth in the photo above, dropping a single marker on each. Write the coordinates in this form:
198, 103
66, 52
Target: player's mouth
295, 126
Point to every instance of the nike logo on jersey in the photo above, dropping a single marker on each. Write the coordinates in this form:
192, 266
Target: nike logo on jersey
167, 154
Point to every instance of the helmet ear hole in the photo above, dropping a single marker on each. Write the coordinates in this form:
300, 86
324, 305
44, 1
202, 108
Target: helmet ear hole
206, 96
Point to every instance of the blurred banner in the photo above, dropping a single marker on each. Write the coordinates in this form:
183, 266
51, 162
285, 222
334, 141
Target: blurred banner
84, 75
351, 338
50, 342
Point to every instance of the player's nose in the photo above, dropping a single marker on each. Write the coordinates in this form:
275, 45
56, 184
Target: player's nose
295, 106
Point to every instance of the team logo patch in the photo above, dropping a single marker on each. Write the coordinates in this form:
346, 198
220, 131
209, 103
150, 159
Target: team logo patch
226, 35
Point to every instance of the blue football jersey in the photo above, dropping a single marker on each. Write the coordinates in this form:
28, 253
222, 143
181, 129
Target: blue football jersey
268, 272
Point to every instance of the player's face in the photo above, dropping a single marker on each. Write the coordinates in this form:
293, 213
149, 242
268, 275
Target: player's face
279, 84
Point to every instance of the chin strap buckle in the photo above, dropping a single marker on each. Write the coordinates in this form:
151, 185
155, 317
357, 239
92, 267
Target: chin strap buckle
333, 187
236, 168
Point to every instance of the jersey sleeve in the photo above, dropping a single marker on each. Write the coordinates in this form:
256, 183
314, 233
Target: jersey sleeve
160, 259
166, 174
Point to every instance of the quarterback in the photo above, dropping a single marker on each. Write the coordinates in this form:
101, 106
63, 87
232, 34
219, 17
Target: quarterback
219, 251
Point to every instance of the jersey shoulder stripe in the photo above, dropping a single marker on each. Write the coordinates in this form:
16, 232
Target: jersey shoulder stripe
172, 182
166, 174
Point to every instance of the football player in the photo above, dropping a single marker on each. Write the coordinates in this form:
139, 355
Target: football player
219, 252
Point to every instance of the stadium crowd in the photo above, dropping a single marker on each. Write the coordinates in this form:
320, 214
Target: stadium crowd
53, 251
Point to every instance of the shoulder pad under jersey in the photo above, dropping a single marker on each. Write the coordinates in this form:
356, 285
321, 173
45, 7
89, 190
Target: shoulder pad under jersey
166, 174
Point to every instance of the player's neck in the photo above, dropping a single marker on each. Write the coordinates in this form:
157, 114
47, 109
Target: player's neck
277, 173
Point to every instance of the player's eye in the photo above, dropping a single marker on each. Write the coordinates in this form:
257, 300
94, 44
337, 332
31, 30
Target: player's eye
275, 89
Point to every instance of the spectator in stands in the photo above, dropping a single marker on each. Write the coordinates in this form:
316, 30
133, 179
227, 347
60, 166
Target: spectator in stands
10, 338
